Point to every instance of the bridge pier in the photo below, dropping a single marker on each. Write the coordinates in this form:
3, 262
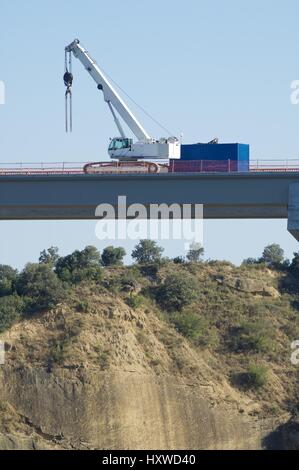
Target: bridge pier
293, 210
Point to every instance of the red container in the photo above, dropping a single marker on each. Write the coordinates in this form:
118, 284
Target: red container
202, 166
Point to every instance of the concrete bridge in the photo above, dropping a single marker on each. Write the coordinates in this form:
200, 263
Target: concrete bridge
266, 195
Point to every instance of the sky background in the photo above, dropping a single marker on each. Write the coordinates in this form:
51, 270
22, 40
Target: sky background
206, 68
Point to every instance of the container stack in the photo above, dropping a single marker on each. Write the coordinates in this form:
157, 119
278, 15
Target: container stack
212, 158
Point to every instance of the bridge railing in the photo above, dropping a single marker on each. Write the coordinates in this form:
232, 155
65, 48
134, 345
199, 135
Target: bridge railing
289, 164
175, 166
31, 168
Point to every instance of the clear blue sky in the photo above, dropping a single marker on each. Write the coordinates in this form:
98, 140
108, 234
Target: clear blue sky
206, 68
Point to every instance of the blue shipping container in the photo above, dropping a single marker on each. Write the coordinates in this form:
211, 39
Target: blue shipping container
218, 152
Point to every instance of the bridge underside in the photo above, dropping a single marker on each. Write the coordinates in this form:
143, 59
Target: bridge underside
224, 196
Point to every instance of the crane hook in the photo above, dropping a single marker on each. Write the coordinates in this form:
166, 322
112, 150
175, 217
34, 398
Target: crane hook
68, 81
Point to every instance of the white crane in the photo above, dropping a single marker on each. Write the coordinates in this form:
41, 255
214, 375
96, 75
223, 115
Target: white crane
121, 147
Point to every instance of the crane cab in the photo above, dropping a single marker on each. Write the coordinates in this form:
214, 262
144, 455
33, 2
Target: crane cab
123, 148
120, 147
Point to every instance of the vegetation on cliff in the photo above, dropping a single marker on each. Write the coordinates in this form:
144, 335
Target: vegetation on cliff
243, 319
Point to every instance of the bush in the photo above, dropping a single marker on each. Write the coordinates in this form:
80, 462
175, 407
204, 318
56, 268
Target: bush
134, 301
41, 285
256, 377
150, 270
8, 278
253, 336
80, 266
113, 256
147, 251
193, 327
250, 261
10, 311
179, 260
177, 291
83, 306
195, 252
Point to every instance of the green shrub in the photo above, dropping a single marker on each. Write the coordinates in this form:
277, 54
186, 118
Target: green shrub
112, 256
82, 306
80, 266
134, 301
177, 291
253, 336
179, 260
41, 286
150, 270
194, 327
8, 278
10, 310
256, 377
250, 262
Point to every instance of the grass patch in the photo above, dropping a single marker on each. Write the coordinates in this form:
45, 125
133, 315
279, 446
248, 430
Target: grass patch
195, 328
256, 337
134, 301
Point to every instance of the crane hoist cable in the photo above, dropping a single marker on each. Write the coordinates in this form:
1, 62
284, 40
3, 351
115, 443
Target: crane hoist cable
68, 81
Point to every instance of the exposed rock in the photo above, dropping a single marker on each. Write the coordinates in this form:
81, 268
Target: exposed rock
253, 286
119, 411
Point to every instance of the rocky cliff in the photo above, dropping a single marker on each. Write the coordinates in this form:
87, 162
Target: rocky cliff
98, 373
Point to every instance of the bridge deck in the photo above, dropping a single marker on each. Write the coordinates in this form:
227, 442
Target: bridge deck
75, 196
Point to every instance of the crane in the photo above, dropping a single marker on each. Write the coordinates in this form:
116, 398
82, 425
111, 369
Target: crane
122, 148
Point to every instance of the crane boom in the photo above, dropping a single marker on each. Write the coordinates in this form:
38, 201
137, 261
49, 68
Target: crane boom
110, 95
122, 148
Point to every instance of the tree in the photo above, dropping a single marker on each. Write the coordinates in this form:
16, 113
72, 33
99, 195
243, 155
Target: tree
272, 255
179, 260
79, 265
177, 291
10, 309
147, 251
250, 261
49, 256
113, 256
195, 252
8, 277
40, 284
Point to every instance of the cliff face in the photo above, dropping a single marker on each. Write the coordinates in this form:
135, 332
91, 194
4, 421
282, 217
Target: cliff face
117, 377
118, 411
